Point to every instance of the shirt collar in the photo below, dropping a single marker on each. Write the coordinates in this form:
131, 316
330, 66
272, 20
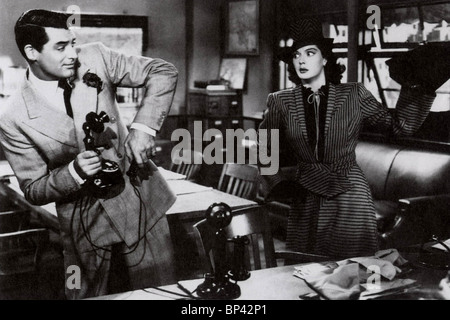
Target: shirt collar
43, 86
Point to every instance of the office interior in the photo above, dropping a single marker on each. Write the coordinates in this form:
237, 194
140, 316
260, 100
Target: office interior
194, 35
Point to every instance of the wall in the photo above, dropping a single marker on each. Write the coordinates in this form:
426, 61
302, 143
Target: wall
204, 60
166, 28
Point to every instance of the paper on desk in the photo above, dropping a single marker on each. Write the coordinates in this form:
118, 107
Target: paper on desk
315, 269
180, 187
441, 247
332, 281
372, 291
342, 279
170, 175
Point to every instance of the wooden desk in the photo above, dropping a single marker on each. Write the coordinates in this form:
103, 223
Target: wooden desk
193, 200
191, 204
277, 284
265, 284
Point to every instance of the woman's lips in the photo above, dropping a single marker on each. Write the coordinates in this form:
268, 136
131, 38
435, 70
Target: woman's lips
303, 70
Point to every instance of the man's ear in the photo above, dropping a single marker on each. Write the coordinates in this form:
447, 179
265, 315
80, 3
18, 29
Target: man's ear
30, 52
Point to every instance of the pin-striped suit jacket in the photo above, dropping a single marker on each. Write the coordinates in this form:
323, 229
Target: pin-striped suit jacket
336, 183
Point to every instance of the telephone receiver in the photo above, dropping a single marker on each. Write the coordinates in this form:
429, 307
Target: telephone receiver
109, 182
430, 257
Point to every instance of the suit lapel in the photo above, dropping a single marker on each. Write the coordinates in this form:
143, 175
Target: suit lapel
45, 119
331, 108
336, 99
83, 100
297, 110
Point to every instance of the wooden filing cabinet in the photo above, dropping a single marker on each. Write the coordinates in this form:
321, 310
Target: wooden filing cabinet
220, 110
214, 103
215, 109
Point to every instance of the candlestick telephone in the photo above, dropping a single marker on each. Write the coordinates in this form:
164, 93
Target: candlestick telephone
219, 285
109, 182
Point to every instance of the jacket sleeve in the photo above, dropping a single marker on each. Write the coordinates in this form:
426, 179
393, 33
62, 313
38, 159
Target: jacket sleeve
410, 112
158, 77
39, 184
271, 123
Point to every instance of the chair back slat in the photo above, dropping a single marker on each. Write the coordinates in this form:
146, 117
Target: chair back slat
188, 163
254, 241
240, 180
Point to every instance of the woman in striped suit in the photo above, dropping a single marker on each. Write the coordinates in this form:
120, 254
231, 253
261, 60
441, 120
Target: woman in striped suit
320, 121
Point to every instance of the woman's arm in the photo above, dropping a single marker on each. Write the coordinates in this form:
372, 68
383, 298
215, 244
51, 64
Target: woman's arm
411, 110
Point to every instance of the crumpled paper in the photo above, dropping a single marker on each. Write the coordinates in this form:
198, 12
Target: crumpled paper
342, 280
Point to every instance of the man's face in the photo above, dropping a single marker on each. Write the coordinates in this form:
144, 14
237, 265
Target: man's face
58, 58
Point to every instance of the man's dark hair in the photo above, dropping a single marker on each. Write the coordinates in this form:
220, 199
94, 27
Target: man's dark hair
29, 28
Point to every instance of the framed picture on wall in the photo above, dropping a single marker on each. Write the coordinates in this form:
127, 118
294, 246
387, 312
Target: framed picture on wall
242, 27
124, 33
233, 70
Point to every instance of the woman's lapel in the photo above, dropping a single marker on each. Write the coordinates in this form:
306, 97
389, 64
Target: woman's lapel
297, 111
331, 108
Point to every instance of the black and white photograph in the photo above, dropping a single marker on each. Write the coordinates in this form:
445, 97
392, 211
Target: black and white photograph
224, 156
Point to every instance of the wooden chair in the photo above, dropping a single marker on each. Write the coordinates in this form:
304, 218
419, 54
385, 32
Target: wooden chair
240, 180
187, 163
260, 253
28, 262
20, 257
14, 220
21, 251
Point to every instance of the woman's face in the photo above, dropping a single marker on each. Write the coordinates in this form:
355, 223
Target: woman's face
309, 63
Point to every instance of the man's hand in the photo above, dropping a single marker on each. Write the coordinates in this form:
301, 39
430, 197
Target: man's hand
87, 164
140, 146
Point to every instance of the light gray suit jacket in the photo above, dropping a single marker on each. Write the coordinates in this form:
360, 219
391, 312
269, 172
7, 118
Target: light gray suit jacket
40, 142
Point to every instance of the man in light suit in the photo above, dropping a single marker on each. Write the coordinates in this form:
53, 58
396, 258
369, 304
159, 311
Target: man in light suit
119, 241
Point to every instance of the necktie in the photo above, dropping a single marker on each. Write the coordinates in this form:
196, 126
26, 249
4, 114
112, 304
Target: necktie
67, 92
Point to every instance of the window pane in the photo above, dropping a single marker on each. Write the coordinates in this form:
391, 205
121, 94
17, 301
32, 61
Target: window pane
343, 61
370, 83
383, 72
436, 13
401, 25
391, 98
442, 101
438, 16
339, 33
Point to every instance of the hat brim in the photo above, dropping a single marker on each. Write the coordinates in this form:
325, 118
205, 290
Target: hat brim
427, 66
285, 53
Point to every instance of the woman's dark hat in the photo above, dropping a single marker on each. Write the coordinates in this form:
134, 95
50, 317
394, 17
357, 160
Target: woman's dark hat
305, 32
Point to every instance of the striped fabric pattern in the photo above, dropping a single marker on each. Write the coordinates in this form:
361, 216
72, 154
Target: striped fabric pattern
338, 216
